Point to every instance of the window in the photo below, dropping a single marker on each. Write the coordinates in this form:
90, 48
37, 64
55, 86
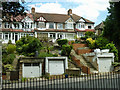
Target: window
0, 25
40, 25
6, 36
69, 26
51, 25
89, 27
13, 36
60, 26
81, 25
27, 64
0, 35
7, 25
16, 25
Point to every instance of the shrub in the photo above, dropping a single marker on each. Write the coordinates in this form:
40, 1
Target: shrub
89, 34
9, 42
11, 48
45, 54
28, 45
112, 49
66, 49
91, 43
8, 59
62, 42
101, 42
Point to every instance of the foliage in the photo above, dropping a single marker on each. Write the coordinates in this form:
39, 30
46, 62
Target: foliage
112, 24
12, 8
28, 45
9, 42
89, 34
11, 48
115, 64
112, 49
91, 43
101, 42
8, 59
66, 49
45, 54
62, 42
8, 67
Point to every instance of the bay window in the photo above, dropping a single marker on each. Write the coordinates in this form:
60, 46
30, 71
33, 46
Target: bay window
69, 26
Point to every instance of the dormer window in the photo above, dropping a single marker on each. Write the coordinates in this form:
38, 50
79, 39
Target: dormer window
7, 25
51, 25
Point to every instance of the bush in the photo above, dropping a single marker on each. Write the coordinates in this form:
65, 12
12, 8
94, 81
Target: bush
66, 49
62, 42
45, 54
8, 59
11, 49
28, 45
91, 43
112, 49
89, 34
101, 42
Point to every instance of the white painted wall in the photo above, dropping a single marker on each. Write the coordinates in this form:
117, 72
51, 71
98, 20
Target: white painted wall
86, 26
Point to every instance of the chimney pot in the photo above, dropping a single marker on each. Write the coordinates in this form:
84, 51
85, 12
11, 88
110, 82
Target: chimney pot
33, 10
69, 11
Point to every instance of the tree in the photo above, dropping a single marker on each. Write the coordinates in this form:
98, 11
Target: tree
112, 24
12, 8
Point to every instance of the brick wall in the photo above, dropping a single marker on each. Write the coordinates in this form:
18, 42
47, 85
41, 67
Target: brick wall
76, 46
83, 51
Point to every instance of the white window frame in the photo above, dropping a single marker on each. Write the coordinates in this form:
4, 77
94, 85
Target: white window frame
69, 25
51, 23
38, 24
60, 26
7, 25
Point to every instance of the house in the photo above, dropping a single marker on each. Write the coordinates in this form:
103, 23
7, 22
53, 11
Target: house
99, 28
44, 25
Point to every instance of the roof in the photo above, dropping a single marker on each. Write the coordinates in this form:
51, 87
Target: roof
50, 17
54, 30
92, 30
14, 30
99, 26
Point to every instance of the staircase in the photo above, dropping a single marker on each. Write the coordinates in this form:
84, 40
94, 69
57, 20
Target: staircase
83, 63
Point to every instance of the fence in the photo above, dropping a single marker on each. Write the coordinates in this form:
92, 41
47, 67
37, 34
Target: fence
110, 81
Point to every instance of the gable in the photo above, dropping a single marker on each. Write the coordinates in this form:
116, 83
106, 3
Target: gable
70, 20
41, 19
27, 19
81, 20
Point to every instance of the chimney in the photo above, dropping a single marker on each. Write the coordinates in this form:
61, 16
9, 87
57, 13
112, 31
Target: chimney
69, 11
33, 10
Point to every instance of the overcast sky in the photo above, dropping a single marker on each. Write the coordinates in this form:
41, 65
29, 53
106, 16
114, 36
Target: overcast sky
94, 10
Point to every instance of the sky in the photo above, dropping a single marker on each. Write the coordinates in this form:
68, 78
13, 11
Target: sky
94, 10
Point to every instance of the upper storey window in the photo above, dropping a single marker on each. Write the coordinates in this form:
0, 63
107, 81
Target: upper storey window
51, 25
7, 25
69, 26
59, 26
89, 27
41, 25
81, 25
16, 25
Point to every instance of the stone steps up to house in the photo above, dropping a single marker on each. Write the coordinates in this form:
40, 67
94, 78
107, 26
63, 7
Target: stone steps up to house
81, 62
